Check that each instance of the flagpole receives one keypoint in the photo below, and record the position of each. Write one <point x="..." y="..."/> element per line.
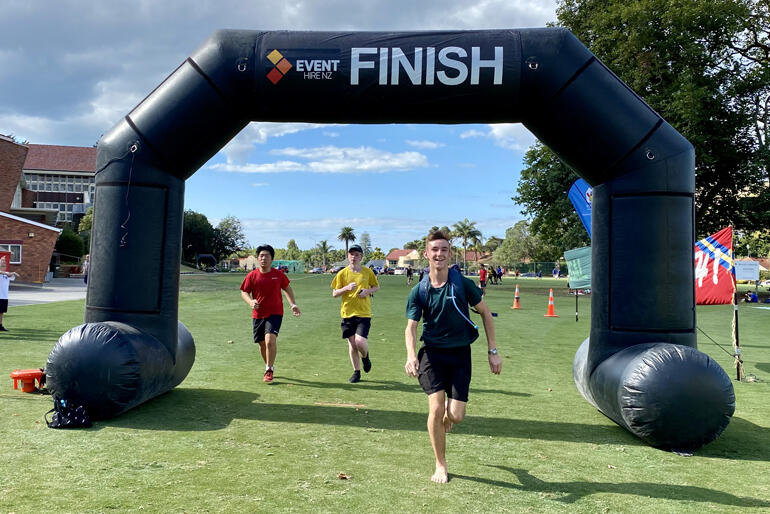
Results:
<point x="576" y="305"/>
<point x="736" y="340"/>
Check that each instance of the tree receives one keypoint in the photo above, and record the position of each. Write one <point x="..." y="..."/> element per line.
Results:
<point x="492" y="244"/>
<point x="542" y="191"/>
<point x="69" y="244"/>
<point x="84" y="228"/>
<point x="366" y="244"/>
<point x="754" y="244"/>
<point x="521" y="244"/>
<point x="293" y="253"/>
<point x="347" y="235"/>
<point x="86" y="221"/>
<point x="322" y="250"/>
<point x="705" y="67"/>
<point x="467" y="231"/>
<point x="197" y="235"/>
<point x="228" y="238"/>
<point x="377" y="254"/>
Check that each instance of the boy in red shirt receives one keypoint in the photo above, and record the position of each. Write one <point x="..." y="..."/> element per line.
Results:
<point x="483" y="280"/>
<point x="261" y="290"/>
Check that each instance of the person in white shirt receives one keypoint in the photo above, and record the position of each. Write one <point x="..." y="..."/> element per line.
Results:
<point x="5" y="281"/>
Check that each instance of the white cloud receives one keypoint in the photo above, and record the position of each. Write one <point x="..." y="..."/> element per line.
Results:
<point x="426" y="145"/>
<point x="117" y="52"/>
<point x="329" y="133"/>
<point x="472" y="133"/>
<point x="386" y="232"/>
<point x="511" y="136"/>
<point x="260" y="184"/>
<point x="332" y="159"/>
<point x="238" y="149"/>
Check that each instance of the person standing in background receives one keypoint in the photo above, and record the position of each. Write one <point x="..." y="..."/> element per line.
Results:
<point x="6" y="277"/>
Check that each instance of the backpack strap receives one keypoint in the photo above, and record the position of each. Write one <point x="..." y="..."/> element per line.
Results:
<point x="455" y="281"/>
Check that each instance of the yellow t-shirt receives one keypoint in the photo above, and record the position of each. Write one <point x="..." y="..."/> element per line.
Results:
<point x="352" y="305"/>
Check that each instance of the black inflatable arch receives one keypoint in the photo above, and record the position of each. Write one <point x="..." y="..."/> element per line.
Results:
<point x="639" y="366"/>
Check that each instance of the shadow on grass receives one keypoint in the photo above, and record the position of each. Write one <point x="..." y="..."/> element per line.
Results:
<point x="762" y="366"/>
<point x="381" y="385"/>
<point x="214" y="409"/>
<point x="741" y="440"/>
<point x="30" y="334"/>
<point x="573" y="491"/>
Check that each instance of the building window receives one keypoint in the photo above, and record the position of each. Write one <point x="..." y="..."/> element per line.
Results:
<point x="15" y="252"/>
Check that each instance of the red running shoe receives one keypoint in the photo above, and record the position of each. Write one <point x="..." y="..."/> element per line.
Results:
<point x="268" y="376"/>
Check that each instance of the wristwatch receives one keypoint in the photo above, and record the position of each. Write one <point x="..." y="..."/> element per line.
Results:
<point x="492" y="351"/>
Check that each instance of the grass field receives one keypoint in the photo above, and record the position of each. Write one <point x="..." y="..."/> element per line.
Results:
<point x="224" y="441"/>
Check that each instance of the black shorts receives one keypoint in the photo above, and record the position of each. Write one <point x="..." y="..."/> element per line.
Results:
<point x="445" y="369"/>
<point x="482" y="283"/>
<point x="4" y="305"/>
<point x="355" y="325"/>
<point x="268" y="325"/>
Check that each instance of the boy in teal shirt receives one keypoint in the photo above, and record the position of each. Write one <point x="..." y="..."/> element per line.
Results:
<point x="443" y="364"/>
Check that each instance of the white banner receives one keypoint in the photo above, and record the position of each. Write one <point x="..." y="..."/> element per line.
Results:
<point x="746" y="270"/>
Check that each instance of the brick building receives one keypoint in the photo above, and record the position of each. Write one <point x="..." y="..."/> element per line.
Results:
<point x="26" y="231"/>
<point x="61" y="179"/>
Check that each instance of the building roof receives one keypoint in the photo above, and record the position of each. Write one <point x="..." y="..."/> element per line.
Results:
<point x="472" y="255"/>
<point x="60" y="158"/>
<point x="395" y="254"/>
<point x="29" y="222"/>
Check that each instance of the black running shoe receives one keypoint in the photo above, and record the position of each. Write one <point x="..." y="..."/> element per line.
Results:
<point x="356" y="377"/>
<point x="3" y="329"/>
<point x="367" y="363"/>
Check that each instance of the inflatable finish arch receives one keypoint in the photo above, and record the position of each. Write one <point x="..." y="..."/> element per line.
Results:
<point x="639" y="366"/>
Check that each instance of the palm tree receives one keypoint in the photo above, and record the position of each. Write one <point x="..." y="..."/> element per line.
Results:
<point x="347" y="235"/>
<point x="478" y="247"/>
<point x="323" y="250"/>
<point x="466" y="230"/>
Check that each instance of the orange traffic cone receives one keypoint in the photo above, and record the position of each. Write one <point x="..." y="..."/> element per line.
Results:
<point x="516" y="304"/>
<point x="550" y="313"/>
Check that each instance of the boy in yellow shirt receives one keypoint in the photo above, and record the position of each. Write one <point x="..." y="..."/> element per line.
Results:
<point x="356" y="284"/>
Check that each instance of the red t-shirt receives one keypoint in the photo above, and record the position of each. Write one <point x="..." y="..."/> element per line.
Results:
<point x="265" y="288"/>
<point x="482" y="274"/>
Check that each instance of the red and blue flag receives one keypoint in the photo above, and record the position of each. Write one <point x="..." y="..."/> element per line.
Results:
<point x="714" y="270"/>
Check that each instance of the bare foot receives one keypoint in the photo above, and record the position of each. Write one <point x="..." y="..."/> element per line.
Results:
<point x="447" y="424"/>
<point x="440" y="476"/>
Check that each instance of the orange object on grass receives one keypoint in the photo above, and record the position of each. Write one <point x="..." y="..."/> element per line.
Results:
<point x="550" y="313"/>
<point x="27" y="378"/>
<point x="516" y="304"/>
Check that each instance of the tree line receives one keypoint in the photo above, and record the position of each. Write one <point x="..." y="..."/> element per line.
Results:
<point x="705" y="67"/>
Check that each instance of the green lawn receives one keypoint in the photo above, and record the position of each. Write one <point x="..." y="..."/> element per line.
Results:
<point x="224" y="441"/>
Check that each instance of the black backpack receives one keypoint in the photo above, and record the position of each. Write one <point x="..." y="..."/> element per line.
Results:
<point x="66" y="415"/>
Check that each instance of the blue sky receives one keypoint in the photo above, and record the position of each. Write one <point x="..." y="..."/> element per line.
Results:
<point x="70" y="70"/>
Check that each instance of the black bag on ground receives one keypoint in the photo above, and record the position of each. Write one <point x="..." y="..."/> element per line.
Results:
<point x="66" y="415"/>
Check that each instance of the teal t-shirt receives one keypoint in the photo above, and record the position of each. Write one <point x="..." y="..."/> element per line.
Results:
<point x="443" y="325"/>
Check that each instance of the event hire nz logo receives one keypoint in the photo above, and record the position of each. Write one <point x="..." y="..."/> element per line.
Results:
<point x="309" y="69"/>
